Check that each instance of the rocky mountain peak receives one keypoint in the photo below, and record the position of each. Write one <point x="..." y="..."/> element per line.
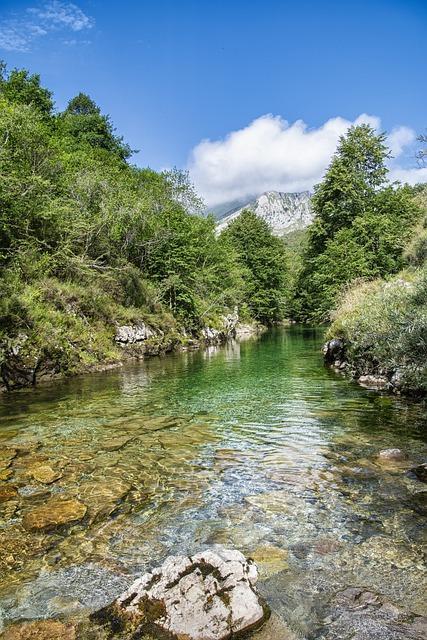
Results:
<point x="284" y="212"/>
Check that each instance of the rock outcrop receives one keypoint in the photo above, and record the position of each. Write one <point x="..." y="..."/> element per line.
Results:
<point x="209" y="596"/>
<point x="131" y="334"/>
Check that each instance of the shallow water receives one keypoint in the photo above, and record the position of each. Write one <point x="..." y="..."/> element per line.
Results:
<point x="254" y="445"/>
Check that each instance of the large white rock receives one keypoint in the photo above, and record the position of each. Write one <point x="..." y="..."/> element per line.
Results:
<point x="130" y="334"/>
<point x="209" y="596"/>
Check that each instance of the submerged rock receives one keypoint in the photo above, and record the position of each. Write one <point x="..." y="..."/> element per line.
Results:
<point x="209" y="596"/>
<point x="374" y="382"/>
<point x="8" y="492"/>
<point x="40" y="630"/>
<point x="391" y="455"/>
<point x="358" y="613"/>
<point x="45" y="474"/>
<point x="270" y="559"/>
<point x="53" y="513"/>
<point x="420" y="472"/>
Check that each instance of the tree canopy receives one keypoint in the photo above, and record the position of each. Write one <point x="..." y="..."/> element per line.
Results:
<point x="361" y="224"/>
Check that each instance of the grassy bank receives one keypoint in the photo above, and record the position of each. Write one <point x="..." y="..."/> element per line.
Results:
<point x="383" y="326"/>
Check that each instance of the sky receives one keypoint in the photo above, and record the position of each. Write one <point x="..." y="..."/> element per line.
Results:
<point x="248" y="96"/>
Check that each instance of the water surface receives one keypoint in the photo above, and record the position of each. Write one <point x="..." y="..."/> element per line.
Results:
<point x="254" y="445"/>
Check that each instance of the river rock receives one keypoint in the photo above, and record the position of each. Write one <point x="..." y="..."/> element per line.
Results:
<point x="114" y="444"/>
<point x="40" y="630"/>
<point x="363" y="615"/>
<point x="391" y="455"/>
<point x="373" y="382"/>
<point x="420" y="472"/>
<point x="54" y="512"/>
<point x="8" y="492"/>
<point x="209" y="596"/>
<point x="333" y="351"/>
<point x="45" y="474"/>
<point x="270" y="559"/>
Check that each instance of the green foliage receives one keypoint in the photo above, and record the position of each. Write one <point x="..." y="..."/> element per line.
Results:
<point x="83" y="121"/>
<point x="88" y="241"/>
<point x="361" y="226"/>
<point x="384" y="328"/>
<point x="263" y="258"/>
<point x="415" y="252"/>
<point x="20" y="87"/>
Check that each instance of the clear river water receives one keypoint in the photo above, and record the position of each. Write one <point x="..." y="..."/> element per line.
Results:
<point x="254" y="445"/>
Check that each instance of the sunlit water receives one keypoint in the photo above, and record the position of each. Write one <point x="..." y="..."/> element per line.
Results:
<point x="254" y="445"/>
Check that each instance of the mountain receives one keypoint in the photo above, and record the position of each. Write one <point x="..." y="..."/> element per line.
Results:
<point x="284" y="212"/>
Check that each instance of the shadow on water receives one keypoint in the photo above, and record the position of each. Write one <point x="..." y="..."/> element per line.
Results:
<point x="254" y="445"/>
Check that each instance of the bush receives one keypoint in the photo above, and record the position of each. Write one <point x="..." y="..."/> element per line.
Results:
<point x="384" y="329"/>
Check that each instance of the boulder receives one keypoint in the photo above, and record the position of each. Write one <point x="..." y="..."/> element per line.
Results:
<point x="333" y="351"/>
<point x="209" y="596"/>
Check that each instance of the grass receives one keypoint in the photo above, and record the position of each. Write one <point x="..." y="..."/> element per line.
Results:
<point x="384" y="328"/>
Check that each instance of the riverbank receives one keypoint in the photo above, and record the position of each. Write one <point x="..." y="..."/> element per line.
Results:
<point x="378" y="334"/>
<point x="70" y="330"/>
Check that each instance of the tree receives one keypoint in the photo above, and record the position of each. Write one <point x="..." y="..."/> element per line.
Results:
<point x="355" y="173"/>
<point x="20" y="87"/>
<point x="83" y="121"/>
<point x="263" y="258"/>
<point x="360" y="227"/>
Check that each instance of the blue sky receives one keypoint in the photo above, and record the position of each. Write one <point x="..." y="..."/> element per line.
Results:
<point x="174" y="73"/>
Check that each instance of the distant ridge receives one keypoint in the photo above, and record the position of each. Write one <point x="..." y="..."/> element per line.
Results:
<point x="284" y="212"/>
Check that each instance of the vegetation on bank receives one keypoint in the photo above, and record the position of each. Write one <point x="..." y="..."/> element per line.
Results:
<point x="383" y="323"/>
<point x="89" y="242"/>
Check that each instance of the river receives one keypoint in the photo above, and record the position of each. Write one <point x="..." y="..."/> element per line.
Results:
<point x="254" y="445"/>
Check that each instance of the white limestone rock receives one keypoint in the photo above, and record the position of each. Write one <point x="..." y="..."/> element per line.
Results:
<point x="209" y="596"/>
<point x="130" y="334"/>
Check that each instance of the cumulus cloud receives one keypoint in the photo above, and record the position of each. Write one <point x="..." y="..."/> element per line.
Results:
<point x="399" y="138"/>
<point x="18" y="33"/>
<point x="273" y="154"/>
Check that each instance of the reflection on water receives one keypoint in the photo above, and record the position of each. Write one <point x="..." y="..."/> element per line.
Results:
<point x="255" y="445"/>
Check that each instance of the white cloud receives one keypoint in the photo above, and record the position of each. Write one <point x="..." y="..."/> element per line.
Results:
<point x="18" y="33"/>
<point x="411" y="176"/>
<point x="399" y="138"/>
<point x="63" y="14"/>
<point x="272" y="154"/>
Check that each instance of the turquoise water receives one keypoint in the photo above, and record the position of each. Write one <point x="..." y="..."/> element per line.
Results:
<point x="255" y="445"/>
